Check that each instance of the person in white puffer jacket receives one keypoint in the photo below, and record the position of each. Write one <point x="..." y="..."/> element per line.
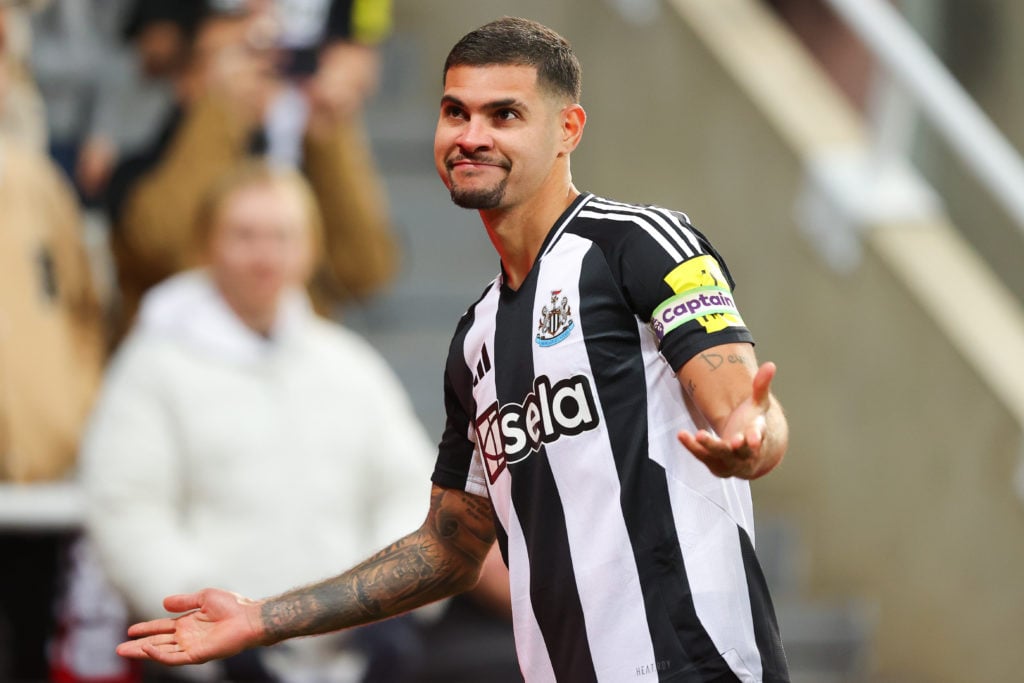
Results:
<point x="242" y="439"/>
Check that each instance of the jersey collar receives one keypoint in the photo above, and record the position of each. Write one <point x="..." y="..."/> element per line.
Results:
<point x="562" y="222"/>
<point x="553" y="234"/>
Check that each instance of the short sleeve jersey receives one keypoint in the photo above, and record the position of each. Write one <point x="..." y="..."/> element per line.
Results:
<point x="628" y="559"/>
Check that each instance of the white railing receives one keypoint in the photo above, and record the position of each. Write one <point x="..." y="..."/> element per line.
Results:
<point x="942" y="101"/>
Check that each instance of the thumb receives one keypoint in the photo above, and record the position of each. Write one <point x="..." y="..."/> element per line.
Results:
<point x="762" y="385"/>
<point x="183" y="602"/>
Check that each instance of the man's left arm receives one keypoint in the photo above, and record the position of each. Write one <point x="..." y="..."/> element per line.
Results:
<point x="747" y="433"/>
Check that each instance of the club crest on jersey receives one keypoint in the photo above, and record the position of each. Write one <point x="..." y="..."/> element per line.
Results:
<point x="555" y="321"/>
<point x="512" y="432"/>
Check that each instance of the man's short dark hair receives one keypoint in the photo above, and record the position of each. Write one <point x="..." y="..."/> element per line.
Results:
<point x="513" y="41"/>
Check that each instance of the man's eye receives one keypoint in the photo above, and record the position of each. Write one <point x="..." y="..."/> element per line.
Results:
<point x="506" y="115"/>
<point x="454" y="113"/>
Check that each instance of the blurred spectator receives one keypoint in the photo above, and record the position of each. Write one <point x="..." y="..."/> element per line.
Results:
<point x="22" y="115"/>
<point x="51" y="343"/>
<point x="237" y="97"/>
<point x="77" y="54"/>
<point x="51" y="335"/>
<point x="106" y="69"/>
<point x="253" y="441"/>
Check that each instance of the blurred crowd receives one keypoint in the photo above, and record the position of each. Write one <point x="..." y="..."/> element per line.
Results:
<point x="188" y="205"/>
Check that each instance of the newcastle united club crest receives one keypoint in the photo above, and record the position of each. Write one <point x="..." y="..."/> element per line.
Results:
<point x="555" y="320"/>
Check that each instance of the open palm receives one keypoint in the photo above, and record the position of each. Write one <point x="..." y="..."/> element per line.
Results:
<point x="218" y="624"/>
<point x="737" y="452"/>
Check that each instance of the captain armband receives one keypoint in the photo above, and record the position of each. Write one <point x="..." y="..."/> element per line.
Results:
<point x="702" y="294"/>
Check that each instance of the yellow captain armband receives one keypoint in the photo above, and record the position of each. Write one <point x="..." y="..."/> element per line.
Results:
<point x="702" y="293"/>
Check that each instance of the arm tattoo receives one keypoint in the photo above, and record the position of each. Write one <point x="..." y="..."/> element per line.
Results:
<point x="737" y="358"/>
<point x="714" y="360"/>
<point x="440" y="559"/>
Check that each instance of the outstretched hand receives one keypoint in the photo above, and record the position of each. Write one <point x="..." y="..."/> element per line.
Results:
<point x="740" y="450"/>
<point x="217" y="624"/>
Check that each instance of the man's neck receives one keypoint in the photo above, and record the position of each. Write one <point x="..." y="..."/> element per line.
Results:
<point x="517" y="233"/>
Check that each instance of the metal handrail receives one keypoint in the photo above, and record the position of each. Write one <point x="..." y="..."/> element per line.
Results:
<point x="942" y="100"/>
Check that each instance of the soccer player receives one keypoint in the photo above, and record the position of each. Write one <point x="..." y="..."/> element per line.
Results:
<point x="605" y="411"/>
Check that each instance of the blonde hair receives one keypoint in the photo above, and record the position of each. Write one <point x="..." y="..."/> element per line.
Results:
<point x="251" y="172"/>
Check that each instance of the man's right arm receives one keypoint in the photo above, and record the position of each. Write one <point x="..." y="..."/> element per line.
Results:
<point x="442" y="558"/>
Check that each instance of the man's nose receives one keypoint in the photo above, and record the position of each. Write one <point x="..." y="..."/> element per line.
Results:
<point x="475" y="135"/>
<point x="269" y="248"/>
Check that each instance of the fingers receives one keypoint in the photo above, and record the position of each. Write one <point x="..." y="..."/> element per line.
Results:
<point x="724" y="458"/>
<point x="695" y="443"/>
<point x="166" y="653"/>
<point x="754" y="433"/>
<point x="705" y="444"/>
<point x="720" y="465"/>
<point x="149" y="628"/>
<point x="132" y="649"/>
<point x="163" y="648"/>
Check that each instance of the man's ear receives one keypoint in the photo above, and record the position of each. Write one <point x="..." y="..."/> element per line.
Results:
<point x="573" y="119"/>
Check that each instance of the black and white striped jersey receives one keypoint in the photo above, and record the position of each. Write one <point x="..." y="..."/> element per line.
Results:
<point x="629" y="560"/>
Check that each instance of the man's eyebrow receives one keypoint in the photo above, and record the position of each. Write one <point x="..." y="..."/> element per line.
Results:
<point x="489" y="106"/>
<point x="505" y="103"/>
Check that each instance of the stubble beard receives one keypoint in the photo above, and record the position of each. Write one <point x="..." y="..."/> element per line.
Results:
<point x="489" y="198"/>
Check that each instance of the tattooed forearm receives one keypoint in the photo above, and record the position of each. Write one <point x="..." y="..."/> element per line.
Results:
<point x="401" y="578"/>
<point x="440" y="559"/>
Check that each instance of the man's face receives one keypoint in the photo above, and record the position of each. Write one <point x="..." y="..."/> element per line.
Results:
<point x="259" y="247"/>
<point x="497" y="135"/>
